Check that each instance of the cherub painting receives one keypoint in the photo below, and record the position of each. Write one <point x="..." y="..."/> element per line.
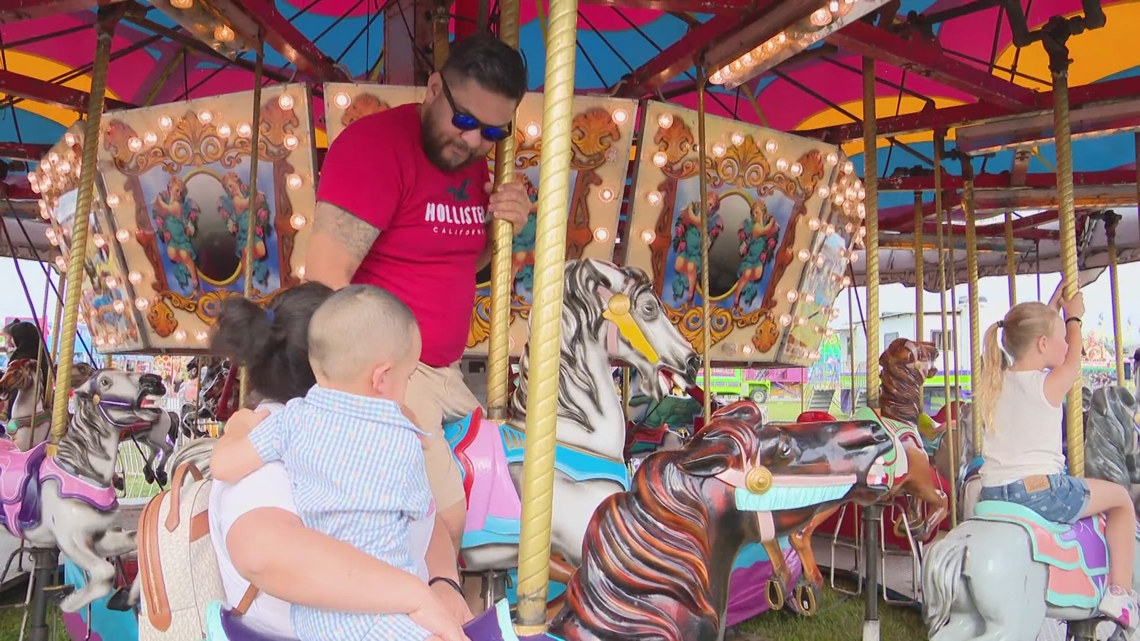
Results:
<point x="176" y="217"/>
<point x="522" y="250"/>
<point x="759" y="235"/>
<point x="687" y="245"/>
<point x="233" y="206"/>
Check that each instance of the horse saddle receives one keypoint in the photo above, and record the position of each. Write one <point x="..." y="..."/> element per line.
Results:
<point x="496" y="625"/>
<point x="20" y="486"/>
<point x="1076" y="554"/>
<point x="223" y="624"/>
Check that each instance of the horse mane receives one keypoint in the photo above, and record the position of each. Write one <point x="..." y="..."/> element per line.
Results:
<point x="82" y="441"/>
<point x="661" y="527"/>
<point x="1111" y="449"/>
<point x="581" y="322"/>
<point x="901" y="389"/>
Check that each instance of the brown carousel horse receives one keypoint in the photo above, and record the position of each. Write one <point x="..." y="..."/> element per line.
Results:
<point x="906" y="365"/>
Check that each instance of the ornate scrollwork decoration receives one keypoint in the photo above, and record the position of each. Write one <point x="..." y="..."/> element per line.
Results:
<point x="677" y="142"/>
<point x="594" y="133"/>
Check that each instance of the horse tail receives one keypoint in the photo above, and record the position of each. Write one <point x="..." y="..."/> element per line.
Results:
<point x="941" y="576"/>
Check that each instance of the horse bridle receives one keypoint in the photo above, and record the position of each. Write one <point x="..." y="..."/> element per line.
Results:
<point x="618" y="306"/>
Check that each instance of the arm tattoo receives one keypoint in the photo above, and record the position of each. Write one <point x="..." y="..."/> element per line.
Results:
<point x="354" y="234"/>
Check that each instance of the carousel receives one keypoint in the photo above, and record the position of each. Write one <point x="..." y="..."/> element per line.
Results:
<point x="674" y="205"/>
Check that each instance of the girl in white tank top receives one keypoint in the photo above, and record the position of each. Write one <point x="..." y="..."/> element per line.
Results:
<point x="1019" y="404"/>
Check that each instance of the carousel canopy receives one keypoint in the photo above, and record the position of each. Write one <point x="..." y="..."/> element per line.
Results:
<point x="940" y="64"/>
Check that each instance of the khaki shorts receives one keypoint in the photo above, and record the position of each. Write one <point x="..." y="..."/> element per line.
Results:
<point x="437" y="395"/>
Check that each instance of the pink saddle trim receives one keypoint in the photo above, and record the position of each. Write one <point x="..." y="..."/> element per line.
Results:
<point x="74" y="487"/>
<point x="492" y="490"/>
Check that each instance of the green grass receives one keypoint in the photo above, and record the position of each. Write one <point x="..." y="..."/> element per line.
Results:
<point x="840" y="618"/>
<point x="12" y="612"/>
<point x="783" y="410"/>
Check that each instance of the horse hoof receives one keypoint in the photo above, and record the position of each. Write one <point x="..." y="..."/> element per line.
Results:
<point x="119" y="601"/>
<point x="775" y="593"/>
<point x="148" y="475"/>
<point x="119" y="483"/>
<point x="160" y="476"/>
<point x="805" y="598"/>
<point x="58" y="593"/>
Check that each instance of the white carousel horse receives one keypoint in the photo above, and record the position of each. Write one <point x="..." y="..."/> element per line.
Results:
<point x="67" y="500"/>
<point x="609" y="313"/>
<point x="999" y="574"/>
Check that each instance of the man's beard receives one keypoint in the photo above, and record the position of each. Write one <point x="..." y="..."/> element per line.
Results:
<point x="434" y="144"/>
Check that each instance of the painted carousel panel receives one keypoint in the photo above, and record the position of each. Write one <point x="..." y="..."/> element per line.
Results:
<point x="602" y="139"/>
<point x="107" y="299"/>
<point x="178" y="189"/>
<point x="772" y="213"/>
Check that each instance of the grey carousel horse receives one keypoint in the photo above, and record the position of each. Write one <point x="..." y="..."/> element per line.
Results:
<point x="986" y="581"/>
<point x="67" y="500"/>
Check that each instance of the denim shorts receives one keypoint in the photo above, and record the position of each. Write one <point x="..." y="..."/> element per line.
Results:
<point x="1062" y="501"/>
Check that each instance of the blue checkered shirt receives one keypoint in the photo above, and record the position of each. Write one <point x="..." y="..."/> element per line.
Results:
<point x="356" y="466"/>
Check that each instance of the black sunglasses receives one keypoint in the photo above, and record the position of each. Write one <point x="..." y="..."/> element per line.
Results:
<point x="464" y="121"/>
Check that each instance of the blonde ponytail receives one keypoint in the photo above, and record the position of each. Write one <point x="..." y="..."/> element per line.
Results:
<point x="989" y="381"/>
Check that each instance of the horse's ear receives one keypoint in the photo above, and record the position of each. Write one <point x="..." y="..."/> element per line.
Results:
<point x="744" y="411"/>
<point x="711" y="462"/>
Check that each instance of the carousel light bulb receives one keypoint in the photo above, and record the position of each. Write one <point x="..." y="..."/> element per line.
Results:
<point x="607" y="195"/>
<point x="142" y="303"/>
<point x="846" y="282"/>
<point x="854" y="258"/>
<point x="862" y="194"/>
<point x="182" y="4"/>
<point x="53" y="240"/>
<point x="99" y="241"/>
<point x="793" y="295"/>
<point x="648" y="236"/>
<point x="35" y="185"/>
<point x="135" y="277"/>
<point x="53" y="158"/>
<point x="620" y="116"/>
<point x="835" y="310"/>
<point x="301" y="271"/>
<point x="781" y="165"/>
<point x="832" y="159"/>
<point x="342" y="100"/>
<point x="601" y="234"/>
<point x="134" y="143"/>
<point x="111" y="282"/>
<point x="796" y="169"/>
<point x="180" y="335"/>
<point x="821" y="17"/>
<point x="785" y="320"/>
<point x="820" y="260"/>
<point x="118" y="306"/>
<point x="294" y="181"/>
<point x="112" y="200"/>
<point x="771" y="146"/>
<point x="813" y="224"/>
<point x="533" y="129"/>
<point x="165" y="122"/>
<point x="65" y="167"/>
<point x="60" y="262"/>
<point x="122" y="235"/>
<point x="654" y="197"/>
<point x="205" y="116"/>
<point x="202" y="336"/>
<point x="838" y="199"/>
<point x="224" y="130"/>
<point x="737" y="139"/>
<point x="823" y="192"/>
<point x="828" y="332"/>
<point x="665" y="120"/>
<point x="862" y="209"/>
<point x="297" y="221"/>
<point x="150" y="137"/>
<point x="829" y="230"/>
<point x="804" y="255"/>
<point x="849" y="228"/>
<point x="660" y="159"/>
<point x="719" y="150"/>
<point x="244" y="130"/>
<point x="801" y="321"/>
<point x="285" y="102"/>
<point x="69" y="139"/>
<point x="291" y="141"/>
<point x="848" y="167"/>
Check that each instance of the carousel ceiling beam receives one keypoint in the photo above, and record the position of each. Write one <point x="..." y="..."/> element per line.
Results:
<point x="927" y="59"/>
<point x="951" y="117"/>
<point x="694" y="6"/>
<point x="250" y="17"/>
<point x="678" y="57"/>
<point x="1000" y="201"/>
<point x="23" y="151"/>
<point x="1006" y="180"/>
<point x="36" y="90"/>
<point x="19" y="10"/>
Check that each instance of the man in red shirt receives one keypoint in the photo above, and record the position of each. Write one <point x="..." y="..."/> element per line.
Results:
<point x="405" y="203"/>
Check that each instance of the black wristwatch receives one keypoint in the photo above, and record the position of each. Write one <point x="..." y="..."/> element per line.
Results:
<point x="449" y="581"/>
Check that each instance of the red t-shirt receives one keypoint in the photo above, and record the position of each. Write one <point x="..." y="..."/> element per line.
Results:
<point x="431" y="223"/>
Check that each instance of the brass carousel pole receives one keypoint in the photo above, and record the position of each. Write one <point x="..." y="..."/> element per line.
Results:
<point x="919" y="266"/>
<point x="972" y="279"/>
<point x="502" y="237"/>
<point x="546" y="318"/>
<point x="1010" y="259"/>
<point x="952" y="428"/>
<point x="1059" y="66"/>
<point x="1111" y="220"/>
<point x="104" y="31"/>
<point x="254" y="203"/>
<point x="706" y="305"/>
<point x="872" y="514"/>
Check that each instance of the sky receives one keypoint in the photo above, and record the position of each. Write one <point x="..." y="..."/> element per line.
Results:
<point x="893" y="298"/>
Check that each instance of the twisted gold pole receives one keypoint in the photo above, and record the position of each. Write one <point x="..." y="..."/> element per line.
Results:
<point x="1010" y="259"/>
<point x="104" y="30"/>
<point x="251" y="224"/>
<point x="940" y="243"/>
<point x="706" y="305"/>
<point x="972" y="280"/>
<point x="871" y="184"/>
<point x="919" y="267"/>
<point x="546" y="318"/>
<point x="1110" y="222"/>
<point x="502" y="238"/>
<point x="1068" y="219"/>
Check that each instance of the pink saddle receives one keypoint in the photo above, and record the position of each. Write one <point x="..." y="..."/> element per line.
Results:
<point x="21" y="480"/>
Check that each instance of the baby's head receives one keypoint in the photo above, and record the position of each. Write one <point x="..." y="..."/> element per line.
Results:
<point x="364" y="341"/>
